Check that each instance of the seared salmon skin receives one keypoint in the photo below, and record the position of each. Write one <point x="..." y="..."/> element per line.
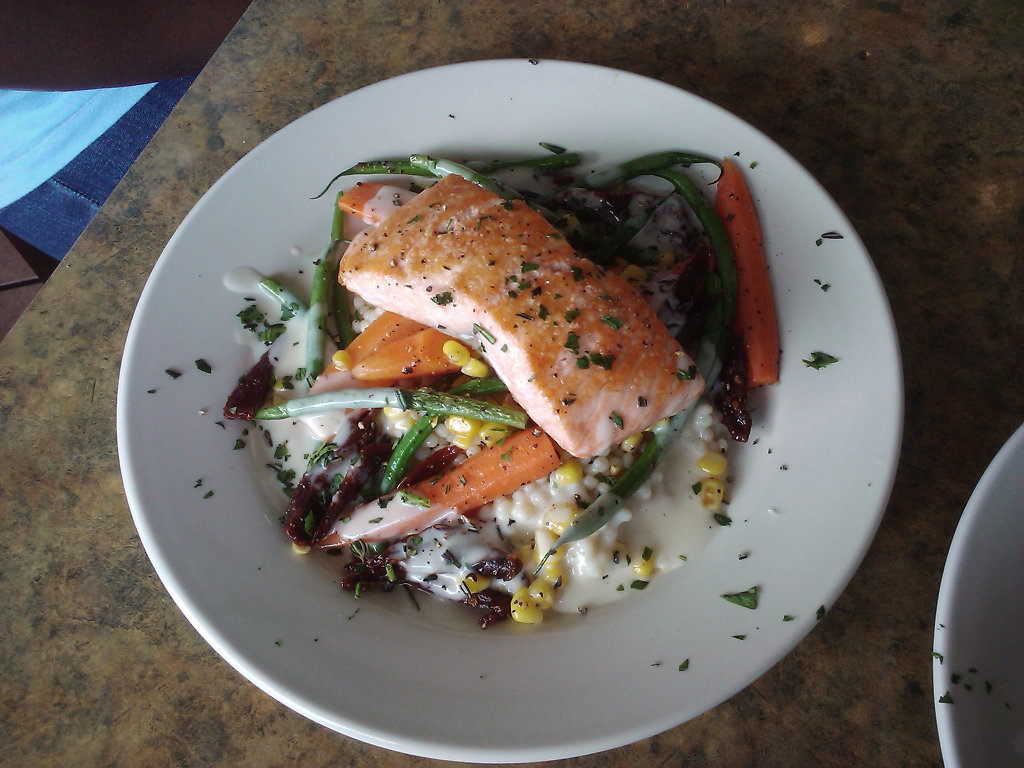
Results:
<point x="578" y="348"/>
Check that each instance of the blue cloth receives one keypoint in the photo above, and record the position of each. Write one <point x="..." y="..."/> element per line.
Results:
<point x="83" y="156"/>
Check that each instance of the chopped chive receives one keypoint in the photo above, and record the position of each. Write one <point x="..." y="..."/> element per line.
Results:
<point x="484" y="332"/>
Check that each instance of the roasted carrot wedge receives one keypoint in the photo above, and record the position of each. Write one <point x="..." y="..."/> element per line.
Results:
<point x="420" y="354"/>
<point x="495" y="471"/>
<point x="756" y="322"/>
<point x="372" y="202"/>
<point x="387" y="328"/>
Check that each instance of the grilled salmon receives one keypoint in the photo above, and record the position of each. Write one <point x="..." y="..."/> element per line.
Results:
<point x="579" y="349"/>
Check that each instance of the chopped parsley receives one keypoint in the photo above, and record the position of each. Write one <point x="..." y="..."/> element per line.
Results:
<point x="819" y="360"/>
<point x="572" y="341"/>
<point x="745" y="599"/>
<point x="616" y="419"/>
<point x="203" y="366"/>
<point x="445" y="297"/>
<point x="413" y="498"/>
<point x="614" y="322"/>
<point x="601" y="360"/>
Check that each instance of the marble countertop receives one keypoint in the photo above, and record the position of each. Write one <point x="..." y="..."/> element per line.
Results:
<point x="910" y="115"/>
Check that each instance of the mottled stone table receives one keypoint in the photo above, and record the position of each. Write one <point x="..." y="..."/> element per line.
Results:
<point x="910" y="113"/>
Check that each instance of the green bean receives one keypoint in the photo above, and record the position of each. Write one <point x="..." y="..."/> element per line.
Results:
<point x="486" y="386"/>
<point x="341" y="309"/>
<point x="403" y="451"/>
<point x="375" y="167"/>
<point x="291" y="304"/>
<point x="429" y="401"/>
<point x="725" y="265"/>
<point x="316" y="318"/>
<point x="439" y="166"/>
<point x="338" y="221"/>
<point x="625" y="232"/>
<point x="542" y="164"/>
<point x="613" y="175"/>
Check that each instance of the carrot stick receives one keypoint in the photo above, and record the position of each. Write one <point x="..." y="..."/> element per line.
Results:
<point x="756" y="321"/>
<point x="407" y="357"/>
<point x="495" y="471"/>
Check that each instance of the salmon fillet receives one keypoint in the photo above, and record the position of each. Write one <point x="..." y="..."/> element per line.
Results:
<point x="579" y="349"/>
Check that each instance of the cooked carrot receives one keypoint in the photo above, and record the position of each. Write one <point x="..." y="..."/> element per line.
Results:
<point x="409" y="356"/>
<point x="495" y="471"/>
<point x="386" y="328"/>
<point x="756" y="321"/>
<point x="355" y="198"/>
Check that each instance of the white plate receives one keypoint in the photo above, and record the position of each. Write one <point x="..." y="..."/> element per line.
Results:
<point x="807" y="499"/>
<point x="978" y="671"/>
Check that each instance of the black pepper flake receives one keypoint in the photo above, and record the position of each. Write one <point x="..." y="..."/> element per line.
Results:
<point x="641" y="402"/>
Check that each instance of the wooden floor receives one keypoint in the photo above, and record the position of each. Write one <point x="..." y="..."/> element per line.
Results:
<point x="18" y="285"/>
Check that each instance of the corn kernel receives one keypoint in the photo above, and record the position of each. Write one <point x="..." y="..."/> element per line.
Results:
<point x="463" y="441"/>
<point x="558" y="518"/>
<point x="524" y="609"/>
<point x="542" y="593"/>
<point x="393" y="413"/>
<point x="300" y="549"/>
<point x="456" y="352"/>
<point x="630" y="443"/>
<point x="491" y="433"/>
<point x="342" y="360"/>
<point x="527" y="556"/>
<point x="569" y="472"/>
<point x="712" y="463"/>
<point x="475" y="582"/>
<point x="553" y="570"/>
<point x="634" y="274"/>
<point x="711" y="493"/>
<point x="666" y="258"/>
<point x="462" y="425"/>
<point x="643" y="566"/>
<point x="475" y="369"/>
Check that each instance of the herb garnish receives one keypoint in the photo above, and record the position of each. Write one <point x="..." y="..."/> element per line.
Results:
<point x="614" y="322"/>
<point x="203" y="366"/>
<point x="745" y="599"/>
<point x="819" y="360"/>
<point x="616" y="419"/>
<point x="413" y="498"/>
<point x="572" y="341"/>
<point x="445" y="297"/>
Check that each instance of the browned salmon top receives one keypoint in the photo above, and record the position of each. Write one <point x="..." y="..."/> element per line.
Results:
<point x="579" y="349"/>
